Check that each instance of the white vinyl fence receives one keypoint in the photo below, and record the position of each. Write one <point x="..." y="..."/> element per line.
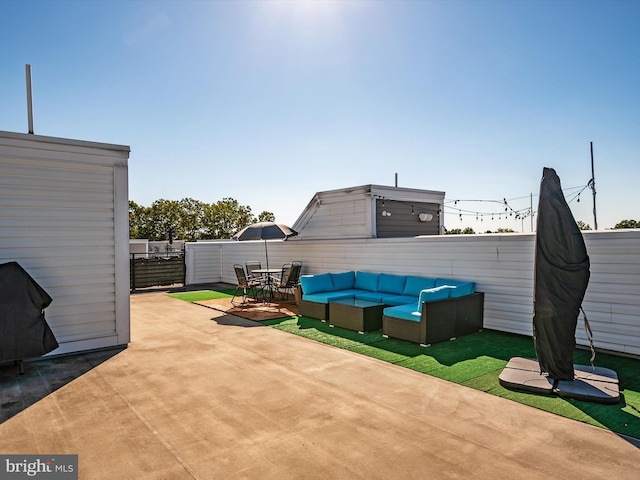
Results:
<point x="502" y="265"/>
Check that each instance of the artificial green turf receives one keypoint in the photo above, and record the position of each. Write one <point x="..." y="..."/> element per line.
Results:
<point x="201" y="295"/>
<point x="475" y="361"/>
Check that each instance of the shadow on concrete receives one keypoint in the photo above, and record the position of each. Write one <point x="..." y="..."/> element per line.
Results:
<point x="43" y="376"/>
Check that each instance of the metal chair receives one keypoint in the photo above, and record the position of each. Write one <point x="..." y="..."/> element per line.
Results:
<point x="251" y="266"/>
<point x="288" y="280"/>
<point x="245" y="284"/>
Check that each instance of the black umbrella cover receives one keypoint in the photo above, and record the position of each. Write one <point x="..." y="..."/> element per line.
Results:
<point x="561" y="279"/>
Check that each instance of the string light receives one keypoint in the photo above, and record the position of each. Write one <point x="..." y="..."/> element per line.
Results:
<point x="508" y="210"/>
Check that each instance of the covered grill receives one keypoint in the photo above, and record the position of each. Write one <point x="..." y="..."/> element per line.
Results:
<point x="24" y="332"/>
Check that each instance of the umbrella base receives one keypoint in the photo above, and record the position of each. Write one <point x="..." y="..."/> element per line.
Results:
<point x="591" y="384"/>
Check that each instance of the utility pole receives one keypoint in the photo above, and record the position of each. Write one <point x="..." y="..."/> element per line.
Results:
<point x="592" y="185"/>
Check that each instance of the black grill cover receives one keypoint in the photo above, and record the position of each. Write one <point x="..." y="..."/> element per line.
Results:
<point x="561" y="278"/>
<point x="24" y="332"/>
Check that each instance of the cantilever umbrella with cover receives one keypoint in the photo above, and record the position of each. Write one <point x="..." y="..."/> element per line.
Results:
<point x="560" y="283"/>
<point x="265" y="231"/>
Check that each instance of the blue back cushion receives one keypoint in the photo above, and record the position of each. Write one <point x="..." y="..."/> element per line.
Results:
<point x="367" y="281"/>
<point x="415" y="285"/>
<point x="343" y="281"/>
<point x="316" y="283"/>
<point x="462" y="288"/>
<point x="391" y="283"/>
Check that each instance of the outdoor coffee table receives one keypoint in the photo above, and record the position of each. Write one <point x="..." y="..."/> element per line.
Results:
<point x="358" y="315"/>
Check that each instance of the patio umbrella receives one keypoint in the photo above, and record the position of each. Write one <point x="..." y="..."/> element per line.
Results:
<point x="265" y="231"/>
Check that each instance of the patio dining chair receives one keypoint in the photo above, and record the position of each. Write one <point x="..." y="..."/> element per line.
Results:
<point x="288" y="279"/>
<point x="251" y="266"/>
<point x="245" y="285"/>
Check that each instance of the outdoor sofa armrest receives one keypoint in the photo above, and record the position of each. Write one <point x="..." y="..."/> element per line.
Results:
<point x="440" y="320"/>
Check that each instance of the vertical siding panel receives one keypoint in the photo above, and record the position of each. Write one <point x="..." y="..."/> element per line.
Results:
<point x="64" y="218"/>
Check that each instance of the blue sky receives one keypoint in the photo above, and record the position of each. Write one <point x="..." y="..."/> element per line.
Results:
<point x="270" y="102"/>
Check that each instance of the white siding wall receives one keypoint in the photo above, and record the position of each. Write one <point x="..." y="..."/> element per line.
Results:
<point x="501" y="265"/>
<point x="340" y="216"/>
<point x="64" y="218"/>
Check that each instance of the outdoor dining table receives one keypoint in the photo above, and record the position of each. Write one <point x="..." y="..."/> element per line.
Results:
<point x="268" y="272"/>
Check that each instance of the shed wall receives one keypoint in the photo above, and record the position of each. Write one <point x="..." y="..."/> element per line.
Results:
<point x="340" y="216"/>
<point x="64" y="218"/>
<point x="501" y="265"/>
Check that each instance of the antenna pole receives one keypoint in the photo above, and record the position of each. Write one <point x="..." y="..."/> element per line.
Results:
<point x="531" y="209"/>
<point x="29" y="98"/>
<point x="592" y="184"/>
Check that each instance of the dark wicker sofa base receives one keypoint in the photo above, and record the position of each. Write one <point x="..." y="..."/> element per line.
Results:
<point x="313" y="310"/>
<point x="441" y="320"/>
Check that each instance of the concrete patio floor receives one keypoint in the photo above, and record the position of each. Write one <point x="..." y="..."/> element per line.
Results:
<point x="201" y="394"/>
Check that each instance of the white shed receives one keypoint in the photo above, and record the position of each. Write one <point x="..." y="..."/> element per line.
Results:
<point x="371" y="211"/>
<point x="64" y="217"/>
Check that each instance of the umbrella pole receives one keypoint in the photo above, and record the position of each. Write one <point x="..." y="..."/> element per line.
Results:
<point x="266" y="254"/>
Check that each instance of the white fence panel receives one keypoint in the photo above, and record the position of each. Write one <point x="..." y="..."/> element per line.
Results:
<point x="502" y="265"/>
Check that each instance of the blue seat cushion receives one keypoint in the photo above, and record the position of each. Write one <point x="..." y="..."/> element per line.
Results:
<point x="369" y="296"/>
<point x="415" y="285"/>
<point x="316" y="283"/>
<point x="399" y="300"/>
<point x="367" y="281"/>
<point x="404" y="312"/>
<point x="391" y="283"/>
<point x="343" y="281"/>
<point x="326" y="297"/>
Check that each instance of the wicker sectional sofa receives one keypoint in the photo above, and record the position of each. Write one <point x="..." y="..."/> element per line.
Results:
<point x="418" y="309"/>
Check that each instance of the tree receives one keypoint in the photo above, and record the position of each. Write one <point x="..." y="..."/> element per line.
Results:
<point x="628" y="224"/>
<point x="192" y="213"/>
<point x="505" y="230"/>
<point x="582" y="225"/>
<point x="226" y="217"/>
<point x="266" y="217"/>
<point x="137" y="220"/>
<point x="190" y="219"/>
<point x="162" y="215"/>
<point x="457" y="231"/>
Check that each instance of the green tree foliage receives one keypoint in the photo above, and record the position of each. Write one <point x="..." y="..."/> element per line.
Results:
<point x="190" y="219"/>
<point x="266" y="217"/>
<point x="457" y="231"/>
<point x="582" y="225"/>
<point x="628" y="224"/>
<point x="137" y="220"/>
